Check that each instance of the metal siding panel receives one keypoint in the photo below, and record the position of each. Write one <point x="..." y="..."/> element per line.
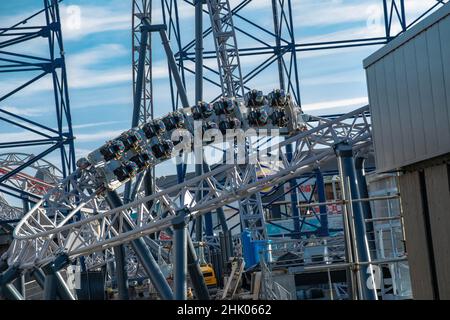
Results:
<point x="412" y="82"/>
<point x="393" y="107"/>
<point x="376" y="116"/>
<point x="388" y="156"/>
<point x="444" y="31"/>
<point x="426" y="94"/>
<point x="438" y="195"/>
<point x="408" y="130"/>
<point x="438" y="88"/>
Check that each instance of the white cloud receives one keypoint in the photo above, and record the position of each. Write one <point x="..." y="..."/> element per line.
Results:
<point x="81" y="21"/>
<point x="18" y="136"/>
<point x="334" y="78"/>
<point x="311" y="13"/>
<point x="96" y="124"/>
<point x="80" y="152"/>
<point x="97" y="136"/>
<point x="317" y="13"/>
<point x="25" y="111"/>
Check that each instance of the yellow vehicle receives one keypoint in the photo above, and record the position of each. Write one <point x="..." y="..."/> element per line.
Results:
<point x="209" y="275"/>
<point x="207" y="270"/>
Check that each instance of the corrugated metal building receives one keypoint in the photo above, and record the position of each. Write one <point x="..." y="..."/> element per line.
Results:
<point x="409" y="93"/>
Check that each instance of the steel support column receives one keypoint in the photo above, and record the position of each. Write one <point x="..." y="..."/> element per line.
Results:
<point x="195" y="273"/>
<point x="364" y="193"/>
<point x="367" y="288"/>
<point x="19" y="284"/>
<point x="119" y="254"/>
<point x="146" y="258"/>
<point x="320" y="185"/>
<point x="54" y="284"/>
<point x="198" y="50"/>
<point x="38" y="275"/>
<point x="180" y="261"/>
<point x="121" y="272"/>
<point x="172" y="64"/>
<point x="294" y="197"/>
<point x="176" y="76"/>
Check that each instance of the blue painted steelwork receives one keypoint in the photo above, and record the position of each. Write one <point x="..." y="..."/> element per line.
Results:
<point x="145" y="257"/>
<point x="344" y="153"/>
<point x="171" y="20"/>
<point x="50" y="139"/>
<point x="364" y="193"/>
<point x="119" y="255"/>
<point x="284" y="53"/>
<point x="54" y="284"/>
<point x="294" y="197"/>
<point x="320" y="184"/>
<point x="180" y="253"/>
<point x="285" y="49"/>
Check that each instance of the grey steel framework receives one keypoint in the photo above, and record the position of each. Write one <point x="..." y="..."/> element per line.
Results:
<point x="142" y="9"/>
<point x="226" y="48"/>
<point x="282" y="50"/>
<point x="48" y="231"/>
<point x="71" y="220"/>
<point x="231" y="82"/>
<point x="49" y="139"/>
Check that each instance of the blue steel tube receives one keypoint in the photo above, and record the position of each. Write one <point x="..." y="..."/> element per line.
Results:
<point x="180" y="263"/>
<point x="324" y="232"/>
<point x="195" y="273"/>
<point x="39" y="276"/>
<point x="294" y="197"/>
<point x="364" y="193"/>
<point x="174" y="69"/>
<point x="121" y="272"/>
<point x="119" y="255"/>
<point x="54" y="284"/>
<point x="199" y="219"/>
<point x="50" y="287"/>
<point x="9" y="275"/>
<point x="139" y="78"/>
<point x="61" y="292"/>
<point x="145" y="257"/>
<point x="345" y="155"/>
<point x="198" y="51"/>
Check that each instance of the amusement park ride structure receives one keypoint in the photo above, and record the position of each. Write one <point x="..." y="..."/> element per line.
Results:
<point x="84" y="220"/>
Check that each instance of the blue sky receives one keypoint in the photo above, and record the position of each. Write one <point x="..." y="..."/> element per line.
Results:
<point x="98" y="53"/>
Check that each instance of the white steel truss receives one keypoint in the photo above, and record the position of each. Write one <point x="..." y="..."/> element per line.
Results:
<point x="226" y="48"/>
<point x="74" y="223"/>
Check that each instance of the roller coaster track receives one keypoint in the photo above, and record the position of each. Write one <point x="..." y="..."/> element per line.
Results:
<point x="72" y="223"/>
